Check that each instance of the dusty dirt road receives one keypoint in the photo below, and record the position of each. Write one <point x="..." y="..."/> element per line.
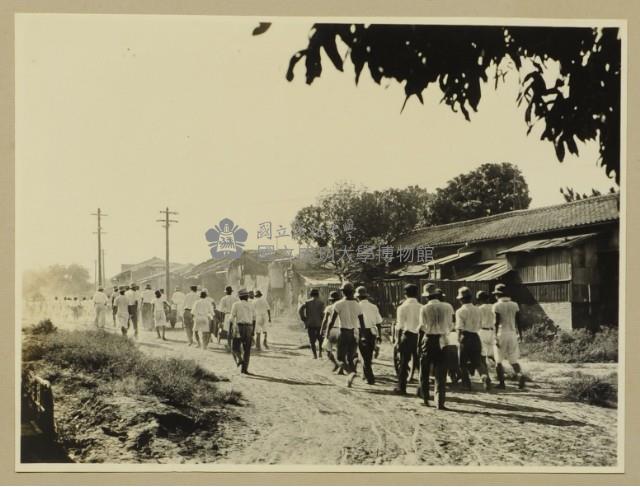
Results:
<point x="297" y="412"/>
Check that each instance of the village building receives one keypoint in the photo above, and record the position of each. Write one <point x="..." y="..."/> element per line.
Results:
<point x="151" y="271"/>
<point x="560" y="261"/>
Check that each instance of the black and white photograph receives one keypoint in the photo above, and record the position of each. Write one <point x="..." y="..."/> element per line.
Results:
<point x="306" y="244"/>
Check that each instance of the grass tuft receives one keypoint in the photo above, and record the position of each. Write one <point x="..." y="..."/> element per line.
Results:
<point x="598" y="391"/>
<point x="576" y="346"/>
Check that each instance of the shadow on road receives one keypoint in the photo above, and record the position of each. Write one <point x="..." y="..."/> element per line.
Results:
<point x="289" y="382"/>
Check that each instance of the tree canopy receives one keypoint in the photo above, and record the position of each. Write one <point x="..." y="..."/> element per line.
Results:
<point x="487" y="190"/>
<point x="582" y="104"/>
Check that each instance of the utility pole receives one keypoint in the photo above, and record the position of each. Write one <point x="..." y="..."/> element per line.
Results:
<point x="167" y="222"/>
<point x="99" y="214"/>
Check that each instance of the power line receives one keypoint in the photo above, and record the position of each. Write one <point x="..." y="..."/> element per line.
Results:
<point x="167" y="223"/>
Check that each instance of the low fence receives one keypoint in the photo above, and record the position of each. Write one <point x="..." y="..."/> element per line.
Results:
<point x="37" y="403"/>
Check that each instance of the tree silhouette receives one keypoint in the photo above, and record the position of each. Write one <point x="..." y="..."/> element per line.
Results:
<point x="583" y="104"/>
<point x="487" y="190"/>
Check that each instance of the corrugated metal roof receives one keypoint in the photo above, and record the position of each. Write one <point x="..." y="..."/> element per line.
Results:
<point x="450" y="258"/>
<point x="581" y="213"/>
<point x="412" y="270"/>
<point x="547" y="243"/>
<point x="490" y="273"/>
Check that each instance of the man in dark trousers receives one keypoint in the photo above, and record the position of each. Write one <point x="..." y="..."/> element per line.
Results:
<point x="367" y="339"/>
<point x="407" y="328"/>
<point x="351" y="318"/>
<point x="436" y="318"/>
<point x="243" y="320"/>
<point x="311" y="313"/>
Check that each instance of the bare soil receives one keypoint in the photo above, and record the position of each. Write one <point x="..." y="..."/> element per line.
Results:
<point x="295" y="411"/>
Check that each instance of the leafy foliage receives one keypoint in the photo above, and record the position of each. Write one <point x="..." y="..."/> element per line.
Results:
<point x="488" y="190"/>
<point x="346" y="217"/>
<point x="576" y="346"/>
<point x="581" y="104"/>
<point x="570" y="194"/>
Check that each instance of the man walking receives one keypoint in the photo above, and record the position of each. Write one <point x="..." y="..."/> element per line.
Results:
<point x="147" y="300"/>
<point x="226" y="302"/>
<point x="311" y="313"/>
<point x="367" y="340"/>
<point x="407" y="328"/>
<point x="243" y="320"/>
<point x="114" y="308"/>
<point x="100" y="301"/>
<point x="487" y="330"/>
<point x="133" y="296"/>
<point x="177" y="303"/>
<point x="351" y="318"/>
<point x="468" y="324"/>
<point x="263" y="316"/>
<point x="507" y="332"/>
<point x="331" y="339"/>
<point x="121" y="303"/>
<point x="436" y="320"/>
<point x="187" y="318"/>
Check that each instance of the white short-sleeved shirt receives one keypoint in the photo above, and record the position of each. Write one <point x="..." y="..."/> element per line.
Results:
<point x="487" y="316"/>
<point x="100" y="298"/>
<point x="148" y="296"/>
<point x="468" y="318"/>
<point x="202" y="308"/>
<point x="507" y="311"/>
<point x="328" y="312"/>
<point x="178" y="298"/>
<point x="408" y="315"/>
<point x="348" y="310"/>
<point x="226" y="302"/>
<point x="243" y="312"/>
<point x="436" y="318"/>
<point x="122" y="303"/>
<point x="261" y="305"/>
<point x="132" y="296"/>
<point x="371" y="314"/>
<point x="190" y="299"/>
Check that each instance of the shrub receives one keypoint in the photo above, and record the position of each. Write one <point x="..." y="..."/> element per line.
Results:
<point x="573" y="346"/>
<point x="177" y="381"/>
<point x="44" y="327"/>
<point x="599" y="391"/>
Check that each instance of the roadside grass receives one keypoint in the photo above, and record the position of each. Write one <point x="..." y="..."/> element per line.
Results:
<point x="598" y="391"/>
<point x="123" y="368"/>
<point x="544" y="343"/>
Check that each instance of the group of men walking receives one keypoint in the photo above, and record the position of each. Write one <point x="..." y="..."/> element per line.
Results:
<point x="434" y="337"/>
<point x="483" y="331"/>
<point x="345" y="326"/>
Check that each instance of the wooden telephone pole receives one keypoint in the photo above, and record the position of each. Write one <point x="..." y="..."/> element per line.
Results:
<point x="167" y="222"/>
<point x="99" y="214"/>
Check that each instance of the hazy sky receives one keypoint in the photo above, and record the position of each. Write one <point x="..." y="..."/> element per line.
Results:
<point x="134" y="113"/>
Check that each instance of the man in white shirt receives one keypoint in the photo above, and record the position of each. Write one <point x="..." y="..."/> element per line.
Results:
<point x="367" y="340"/>
<point x="133" y="296"/>
<point x="226" y="302"/>
<point x="487" y="330"/>
<point x="351" y="318"/>
<point x="187" y="318"/>
<point x="243" y="319"/>
<point x="507" y="332"/>
<point x="147" y="299"/>
<point x="331" y="339"/>
<point x="263" y="316"/>
<point x="468" y="324"/>
<point x="177" y="301"/>
<point x="436" y="323"/>
<point x="407" y="328"/>
<point x="100" y="301"/>
<point x="121" y="302"/>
